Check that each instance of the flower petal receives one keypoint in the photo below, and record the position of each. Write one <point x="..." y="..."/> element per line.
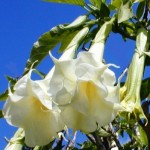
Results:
<point x="78" y="121"/>
<point x="33" y="111"/>
<point x="40" y="125"/>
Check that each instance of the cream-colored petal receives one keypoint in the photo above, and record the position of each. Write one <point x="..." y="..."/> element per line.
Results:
<point x="20" y="86"/>
<point x="89" y="58"/>
<point x="67" y="55"/>
<point x="77" y="121"/>
<point x="88" y="72"/>
<point x="42" y="130"/>
<point x="40" y="124"/>
<point x="64" y="67"/>
<point x="104" y="112"/>
<point x="90" y="100"/>
<point x="80" y="100"/>
<point x="113" y="94"/>
<point x="109" y="77"/>
<point x="101" y="109"/>
<point x="14" y="111"/>
<point x="39" y="90"/>
<point x="63" y="97"/>
<point x="85" y="88"/>
<point x="63" y="79"/>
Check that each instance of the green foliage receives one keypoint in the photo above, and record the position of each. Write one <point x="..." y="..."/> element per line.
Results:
<point x="145" y="88"/>
<point x="96" y="3"/>
<point x="127" y="146"/>
<point x="4" y="95"/>
<point x="47" y="42"/>
<point x="147" y="62"/>
<point x="115" y="4"/>
<point x="1" y="114"/>
<point x="143" y="137"/>
<point x="140" y="10"/>
<point x="104" y="11"/>
<point x="74" y="2"/>
<point x="103" y="133"/>
<point x="87" y="145"/>
<point x="12" y="82"/>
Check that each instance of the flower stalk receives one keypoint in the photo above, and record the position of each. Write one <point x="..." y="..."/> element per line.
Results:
<point x="130" y="92"/>
<point x="98" y="44"/>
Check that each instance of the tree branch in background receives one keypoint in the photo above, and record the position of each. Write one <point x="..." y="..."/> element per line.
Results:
<point x="99" y="143"/>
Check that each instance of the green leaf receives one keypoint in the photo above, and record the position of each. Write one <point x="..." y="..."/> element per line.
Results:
<point x="147" y="63"/>
<point x="73" y="2"/>
<point x="125" y="12"/>
<point x="11" y="80"/>
<point x="4" y="95"/>
<point x="143" y="136"/>
<point x="104" y="11"/>
<point x="1" y="114"/>
<point x="87" y="145"/>
<point x="128" y="145"/>
<point x="149" y="5"/>
<point x="140" y="9"/>
<point x="145" y="88"/>
<point x="129" y="28"/>
<point x="103" y="133"/>
<point x="116" y="3"/>
<point x="96" y="3"/>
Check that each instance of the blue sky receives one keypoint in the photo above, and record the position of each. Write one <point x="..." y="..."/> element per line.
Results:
<point x="22" y="22"/>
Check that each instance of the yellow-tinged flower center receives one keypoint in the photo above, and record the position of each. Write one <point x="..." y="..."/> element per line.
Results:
<point x="38" y="104"/>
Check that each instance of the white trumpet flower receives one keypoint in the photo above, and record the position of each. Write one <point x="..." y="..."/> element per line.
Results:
<point x="31" y="108"/>
<point x="84" y="89"/>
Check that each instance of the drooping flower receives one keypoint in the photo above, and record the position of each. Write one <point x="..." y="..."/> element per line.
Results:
<point x="84" y="89"/>
<point x="31" y="108"/>
<point x="130" y="92"/>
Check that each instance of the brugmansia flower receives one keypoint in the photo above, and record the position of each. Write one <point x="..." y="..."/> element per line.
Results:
<point x="84" y="89"/>
<point x="130" y="92"/>
<point x="30" y="108"/>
